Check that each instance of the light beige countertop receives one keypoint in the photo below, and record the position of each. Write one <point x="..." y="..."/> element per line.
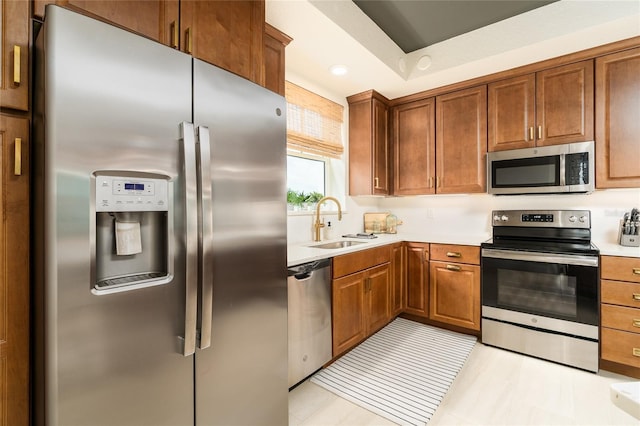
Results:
<point x="306" y="252"/>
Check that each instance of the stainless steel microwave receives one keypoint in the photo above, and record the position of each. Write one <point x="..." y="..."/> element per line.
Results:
<point x="542" y="170"/>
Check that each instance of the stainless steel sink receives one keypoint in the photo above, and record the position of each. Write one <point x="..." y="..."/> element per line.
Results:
<point x="337" y="244"/>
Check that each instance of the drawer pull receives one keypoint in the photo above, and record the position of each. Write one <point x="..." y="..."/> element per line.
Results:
<point x="453" y="254"/>
<point x="453" y="268"/>
<point x="636" y="322"/>
<point x="636" y="271"/>
<point x="636" y="352"/>
<point x="636" y="296"/>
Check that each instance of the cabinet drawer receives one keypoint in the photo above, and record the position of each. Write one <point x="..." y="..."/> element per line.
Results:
<point x="455" y="253"/>
<point x="620" y="293"/>
<point x="621" y="347"/>
<point x="620" y="268"/>
<point x="360" y="260"/>
<point x="621" y="317"/>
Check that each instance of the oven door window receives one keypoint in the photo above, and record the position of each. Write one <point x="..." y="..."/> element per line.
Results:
<point x="567" y="292"/>
<point x="526" y="172"/>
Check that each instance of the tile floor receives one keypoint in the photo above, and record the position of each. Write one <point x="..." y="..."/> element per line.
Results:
<point x="495" y="387"/>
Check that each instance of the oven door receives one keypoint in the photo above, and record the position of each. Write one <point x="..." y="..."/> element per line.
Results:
<point x="558" y="289"/>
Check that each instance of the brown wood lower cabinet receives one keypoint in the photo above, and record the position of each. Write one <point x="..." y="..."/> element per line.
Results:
<point x="398" y="277"/>
<point x="14" y="271"/>
<point x="620" y="315"/>
<point x="454" y="294"/>
<point x="417" y="279"/>
<point x="360" y="300"/>
<point x="454" y="285"/>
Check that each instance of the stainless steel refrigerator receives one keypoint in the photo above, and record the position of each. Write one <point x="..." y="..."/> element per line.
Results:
<point x="160" y="224"/>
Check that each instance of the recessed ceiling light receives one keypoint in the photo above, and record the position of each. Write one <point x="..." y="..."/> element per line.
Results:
<point x="338" y="70"/>
<point x="424" y="62"/>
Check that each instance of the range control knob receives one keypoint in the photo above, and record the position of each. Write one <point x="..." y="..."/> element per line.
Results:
<point x="582" y="219"/>
<point x="572" y="218"/>
<point x="504" y="218"/>
<point x="496" y="218"/>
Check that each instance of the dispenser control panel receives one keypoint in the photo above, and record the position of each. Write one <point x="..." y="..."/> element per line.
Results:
<point x="131" y="194"/>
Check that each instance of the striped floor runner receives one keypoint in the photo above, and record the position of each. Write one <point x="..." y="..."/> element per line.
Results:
<point x="401" y="373"/>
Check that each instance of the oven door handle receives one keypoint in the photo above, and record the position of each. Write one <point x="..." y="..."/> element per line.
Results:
<point x="528" y="256"/>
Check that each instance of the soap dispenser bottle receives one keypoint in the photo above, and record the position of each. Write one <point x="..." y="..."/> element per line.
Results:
<point x="392" y="222"/>
<point x="328" y="231"/>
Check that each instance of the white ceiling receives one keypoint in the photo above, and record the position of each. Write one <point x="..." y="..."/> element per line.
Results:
<point x="328" y="32"/>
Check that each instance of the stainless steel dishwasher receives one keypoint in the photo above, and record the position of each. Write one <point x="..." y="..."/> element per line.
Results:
<point x="309" y="287"/>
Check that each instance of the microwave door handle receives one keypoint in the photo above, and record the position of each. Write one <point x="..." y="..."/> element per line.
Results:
<point x="205" y="240"/>
<point x="563" y="170"/>
<point x="191" y="238"/>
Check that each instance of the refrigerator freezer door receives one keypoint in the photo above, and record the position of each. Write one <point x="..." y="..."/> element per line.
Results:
<point x="242" y="377"/>
<point x="107" y="100"/>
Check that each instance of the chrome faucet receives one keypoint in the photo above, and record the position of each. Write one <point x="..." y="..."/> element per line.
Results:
<point x="317" y="225"/>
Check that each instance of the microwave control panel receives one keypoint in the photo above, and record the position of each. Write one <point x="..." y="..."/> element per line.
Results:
<point x="131" y="194"/>
<point x="577" y="168"/>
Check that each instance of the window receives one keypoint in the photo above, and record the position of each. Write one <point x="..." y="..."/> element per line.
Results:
<point x="306" y="174"/>
<point x="314" y="143"/>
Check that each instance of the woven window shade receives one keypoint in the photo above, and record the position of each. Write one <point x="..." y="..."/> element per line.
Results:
<point x="314" y="123"/>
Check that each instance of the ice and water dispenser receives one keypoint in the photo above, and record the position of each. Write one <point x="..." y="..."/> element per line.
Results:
<point x="132" y="231"/>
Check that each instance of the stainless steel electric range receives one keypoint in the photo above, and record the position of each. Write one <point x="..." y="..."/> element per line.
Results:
<point x="540" y="291"/>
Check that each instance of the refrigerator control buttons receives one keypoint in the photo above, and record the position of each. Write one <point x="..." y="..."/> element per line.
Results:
<point x="121" y="193"/>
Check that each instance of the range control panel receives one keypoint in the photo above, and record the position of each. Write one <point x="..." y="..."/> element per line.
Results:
<point x="131" y="194"/>
<point x="543" y="218"/>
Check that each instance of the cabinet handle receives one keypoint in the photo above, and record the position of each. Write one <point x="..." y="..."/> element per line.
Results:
<point x="539" y="132"/>
<point x="636" y="322"/>
<point x="438" y="182"/>
<point x="531" y="136"/>
<point x="188" y="42"/>
<point x="17" y="170"/>
<point x="376" y="182"/>
<point x="636" y="271"/>
<point x="426" y="256"/>
<point x="430" y="181"/>
<point x="636" y="352"/>
<point x="454" y="268"/>
<point x="16" y="65"/>
<point x="636" y="296"/>
<point x="453" y="254"/>
<point x="174" y="35"/>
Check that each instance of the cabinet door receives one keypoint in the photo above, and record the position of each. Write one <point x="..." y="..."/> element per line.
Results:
<point x="368" y="144"/>
<point x="377" y="293"/>
<point x="455" y="294"/>
<point x="155" y="19"/>
<point x="564" y="104"/>
<point x="461" y="141"/>
<point x="14" y="272"/>
<point x="275" y="43"/>
<point x="228" y="34"/>
<point x="348" y="312"/>
<point x="398" y="274"/>
<point x="417" y="279"/>
<point x="511" y="120"/>
<point x="414" y="136"/>
<point x="14" y="54"/>
<point x="380" y="148"/>
<point x="617" y="123"/>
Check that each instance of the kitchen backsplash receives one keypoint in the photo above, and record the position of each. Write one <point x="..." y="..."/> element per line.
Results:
<point x="461" y="215"/>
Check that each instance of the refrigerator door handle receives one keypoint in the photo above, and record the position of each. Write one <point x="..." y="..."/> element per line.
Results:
<point x="205" y="240"/>
<point x="191" y="238"/>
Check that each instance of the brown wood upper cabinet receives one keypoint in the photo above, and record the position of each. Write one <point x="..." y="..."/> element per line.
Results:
<point x="414" y="147"/>
<point x="155" y="19"/>
<point x="617" y="120"/>
<point x="14" y="51"/>
<point x="275" y="42"/>
<point x="368" y="144"/>
<point x="550" y="107"/>
<point x="228" y="34"/>
<point x="461" y="141"/>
